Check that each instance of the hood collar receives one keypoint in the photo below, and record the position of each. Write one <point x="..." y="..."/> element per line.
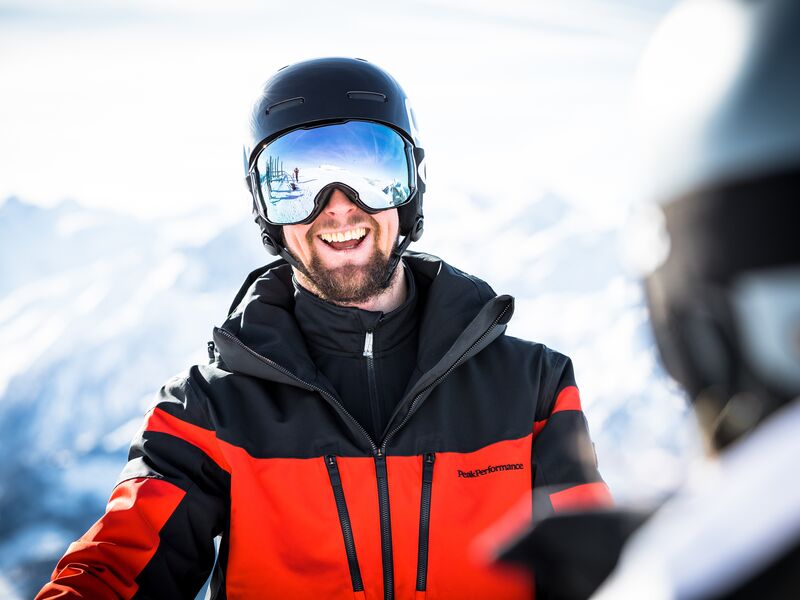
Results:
<point x="453" y="308"/>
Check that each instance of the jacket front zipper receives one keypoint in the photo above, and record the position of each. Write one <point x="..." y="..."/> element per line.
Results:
<point x="372" y="384"/>
<point x="344" y="521"/>
<point x="425" y="520"/>
<point x="386" y="526"/>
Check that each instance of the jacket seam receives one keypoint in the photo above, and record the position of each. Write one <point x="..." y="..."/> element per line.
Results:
<point x="551" y="386"/>
<point x="203" y="405"/>
<point x="157" y="477"/>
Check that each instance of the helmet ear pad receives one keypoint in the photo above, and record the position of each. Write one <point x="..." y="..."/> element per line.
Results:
<point x="271" y="235"/>
<point x="270" y="244"/>
<point x="411" y="219"/>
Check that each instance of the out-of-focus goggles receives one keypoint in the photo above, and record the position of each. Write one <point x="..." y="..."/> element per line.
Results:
<point x="293" y="174"/>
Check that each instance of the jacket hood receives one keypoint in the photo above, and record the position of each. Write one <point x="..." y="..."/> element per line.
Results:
<point x="454" y="308"/>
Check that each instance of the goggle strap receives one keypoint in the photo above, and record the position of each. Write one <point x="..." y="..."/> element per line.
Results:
<point x="419" y="167"/>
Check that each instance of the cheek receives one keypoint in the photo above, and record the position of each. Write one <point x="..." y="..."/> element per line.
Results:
<point x="294" y="236"/>
<point x="389" y="228"/>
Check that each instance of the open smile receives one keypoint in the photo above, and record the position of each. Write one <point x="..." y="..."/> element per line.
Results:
<point x="349" y="239"/>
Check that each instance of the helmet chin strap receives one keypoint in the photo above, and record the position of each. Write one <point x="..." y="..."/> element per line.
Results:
<point x="285" y="255"/>
<point x="412" y="236"/>
<point x="394" y="258"/>
<point x="274" y="247"/>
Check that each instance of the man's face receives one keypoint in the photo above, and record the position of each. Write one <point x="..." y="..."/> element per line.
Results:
<point x="349" y="271"/>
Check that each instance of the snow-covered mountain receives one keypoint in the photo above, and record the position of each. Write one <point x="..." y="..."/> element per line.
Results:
<point x="97" y="310"/>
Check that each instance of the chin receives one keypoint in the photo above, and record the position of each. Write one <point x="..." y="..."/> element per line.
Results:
<point x="349" y="282"/>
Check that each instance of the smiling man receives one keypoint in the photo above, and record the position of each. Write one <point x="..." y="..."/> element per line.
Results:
<point x="363" y="419"/>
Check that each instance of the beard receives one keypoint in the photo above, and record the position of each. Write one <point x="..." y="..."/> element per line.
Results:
<point x="349" y="283"/>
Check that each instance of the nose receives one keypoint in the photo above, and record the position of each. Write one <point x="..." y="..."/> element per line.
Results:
<point x="339" y="205"/>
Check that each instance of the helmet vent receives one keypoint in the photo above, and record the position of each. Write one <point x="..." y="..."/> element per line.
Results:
<point x="374" y="96"/>
<point x="285" y="104"/>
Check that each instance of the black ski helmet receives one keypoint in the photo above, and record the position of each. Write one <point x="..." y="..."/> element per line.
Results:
<point x="324" y="91"/>
<point x="723" y="129"/>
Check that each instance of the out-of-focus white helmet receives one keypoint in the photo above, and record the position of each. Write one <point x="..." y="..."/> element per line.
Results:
<point x="717" y="105"/>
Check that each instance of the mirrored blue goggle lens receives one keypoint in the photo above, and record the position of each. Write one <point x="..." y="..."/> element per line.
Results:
<point x="373" y="160"/>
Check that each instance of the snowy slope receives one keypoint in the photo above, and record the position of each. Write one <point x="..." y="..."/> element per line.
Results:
<point x="98" y="310"/>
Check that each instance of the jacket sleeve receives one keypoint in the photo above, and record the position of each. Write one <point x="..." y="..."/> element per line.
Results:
<point x="156" y="538"/>
<point x="564" y="461"/>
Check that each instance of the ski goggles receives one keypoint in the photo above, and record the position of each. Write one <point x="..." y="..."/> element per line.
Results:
<point x="293" y="174"/>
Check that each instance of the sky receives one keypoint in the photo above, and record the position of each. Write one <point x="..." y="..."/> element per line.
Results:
<point x="140" y="106"/>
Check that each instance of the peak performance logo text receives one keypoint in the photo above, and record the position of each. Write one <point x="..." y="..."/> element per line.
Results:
<point x="490" y="469"/>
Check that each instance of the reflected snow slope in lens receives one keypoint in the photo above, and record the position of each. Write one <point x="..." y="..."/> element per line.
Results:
<point x="372" y="159"/>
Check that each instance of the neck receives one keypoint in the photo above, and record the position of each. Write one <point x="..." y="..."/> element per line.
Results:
<point x="385" y="302"/>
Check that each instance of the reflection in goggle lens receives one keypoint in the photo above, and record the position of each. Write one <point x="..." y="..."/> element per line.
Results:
<point x="372" y="159"/>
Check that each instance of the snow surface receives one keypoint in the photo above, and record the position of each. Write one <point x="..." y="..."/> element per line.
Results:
<point x="98" y="310"/>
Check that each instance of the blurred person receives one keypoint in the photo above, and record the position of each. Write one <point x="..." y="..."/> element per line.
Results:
<point x="719" y="106"/>
<point x="363" y="415"/>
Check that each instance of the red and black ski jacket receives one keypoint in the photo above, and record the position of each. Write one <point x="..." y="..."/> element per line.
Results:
<point x="257" y="451"/>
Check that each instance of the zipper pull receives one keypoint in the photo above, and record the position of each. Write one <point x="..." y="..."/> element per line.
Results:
<point x="427" y="467"/>
<point x="211" y="356"/>
<point x="368" y="345"/>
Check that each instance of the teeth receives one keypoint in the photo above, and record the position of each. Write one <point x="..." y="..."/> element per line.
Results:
<point x="343" y="236"/>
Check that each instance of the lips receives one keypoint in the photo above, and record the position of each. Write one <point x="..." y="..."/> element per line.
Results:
<point x="348" y="245"/>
